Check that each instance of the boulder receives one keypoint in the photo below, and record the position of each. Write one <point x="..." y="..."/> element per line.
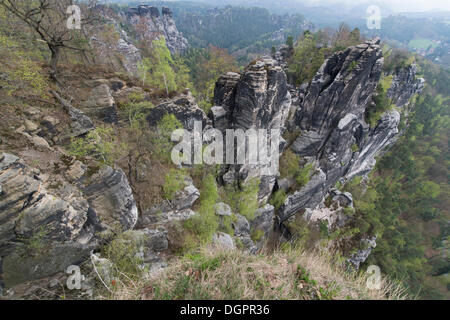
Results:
<point x="264" y="220"/>
<point x="184" y="108"/>
<point x="100" y="104"/>
<point x="366" y="247"/>
<point x="241" y="226"/>
<point x="19" y="268"/>
<point x="111" y="198"/>
<point x="222" y="209"/>
<point x="223" y="241"/>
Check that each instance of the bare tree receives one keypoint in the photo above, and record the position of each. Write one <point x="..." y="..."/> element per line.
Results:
<point x="48" y="18"/>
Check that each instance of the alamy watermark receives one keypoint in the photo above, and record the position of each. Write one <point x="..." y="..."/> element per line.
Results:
<point x="74" y="20"/>
<point x="374" y="280"/>
<point x="74" y="280"/>
<point x="258" y="147"/>
<point x="374" y="18"/>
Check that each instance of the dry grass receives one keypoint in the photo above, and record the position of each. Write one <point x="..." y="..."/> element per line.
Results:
<point x="292" y="274"/>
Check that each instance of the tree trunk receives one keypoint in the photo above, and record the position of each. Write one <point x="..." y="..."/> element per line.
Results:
<point x="55" y="57"/>
<point x="56" y="51"/>
<point x="165" y="84"/>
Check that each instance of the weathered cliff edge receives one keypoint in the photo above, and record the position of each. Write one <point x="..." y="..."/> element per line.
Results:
<point x="152" y="24"/>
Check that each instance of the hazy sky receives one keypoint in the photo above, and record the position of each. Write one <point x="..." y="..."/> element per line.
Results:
<point x="400" y="5"/>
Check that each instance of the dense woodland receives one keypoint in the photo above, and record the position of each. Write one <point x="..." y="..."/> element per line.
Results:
<point x="409" y="194"/>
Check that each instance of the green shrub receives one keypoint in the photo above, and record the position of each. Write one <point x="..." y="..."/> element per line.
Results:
<point x="136" y="111"/>
<point x="349" y="211"/>
<point x="101" y="144"/>
<point x="243" y="199"/>
<point x="162" y="140"/>
<point x="278" y="199"/>
<point x="36" y="243"/>
<point x="20" y="70"/>
<point x="174" y="182"/>
<point x="248" y="202"/>
<point x="225" y="225"/>
<point x="122" y="251"/>
<point x="290" y="168"/>
<point x="382" y="102"/>
<point x="206" y="223"/>
<point x="304" y="175"/>
<point x="352" y="65"/>
<point x="289" y="164"/>
<point x="257" y="235"/>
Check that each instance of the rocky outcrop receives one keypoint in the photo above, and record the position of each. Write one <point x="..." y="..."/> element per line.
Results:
<point x="150" y="24"/>
<point x="335" y="137"/>
<point x="257" y="99"/>
<point x="26" y="206"/>
<point x="282" y="55"/>
<point x="81" y="123"/>
<point x="131" y="55"/>
<point x="112" y="43"/>
<point x="111" y="199"/>
<point x="32" y="218"/>
<point x="100" y="103"/>
<point x="329" y="115"/>
<point x="183" y="107"/>
<point x="177" y="209"/>
<point x="405" y="85"/>
<point x="263" y="222"/>
<point x="48" y="223"/>
<point x="253" y="234"/>
<point x="366" y="248"/>
<point x="374" y="143"/>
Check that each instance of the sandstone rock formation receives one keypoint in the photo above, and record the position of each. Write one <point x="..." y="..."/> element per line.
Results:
<point x="110" y="197"/>
<point x="330" y="116"/>
<point x="184" y="108"/>
<point x="335" y="137"/>
<point x="100" y="103"/>
<point x="46" y="228"/>
<point x="156" y="24"/>
<point x="257" y="99"/>
<point x="405" y="85"/>
<point x="330" y="113"/>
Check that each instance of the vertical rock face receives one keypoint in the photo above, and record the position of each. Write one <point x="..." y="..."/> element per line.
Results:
<point x="118" y="52"/>
<point x="131" y="54"/>
<point x="176" y="42"/>
<point x="151" y="24"/>
<point x="338" y="94"/>
<point x="405" y="85"/>
<point x="334" y="135"/>
<point x="257" y="99"/>
<point x="329" y="116"/>
<point x="372" y="142"/>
